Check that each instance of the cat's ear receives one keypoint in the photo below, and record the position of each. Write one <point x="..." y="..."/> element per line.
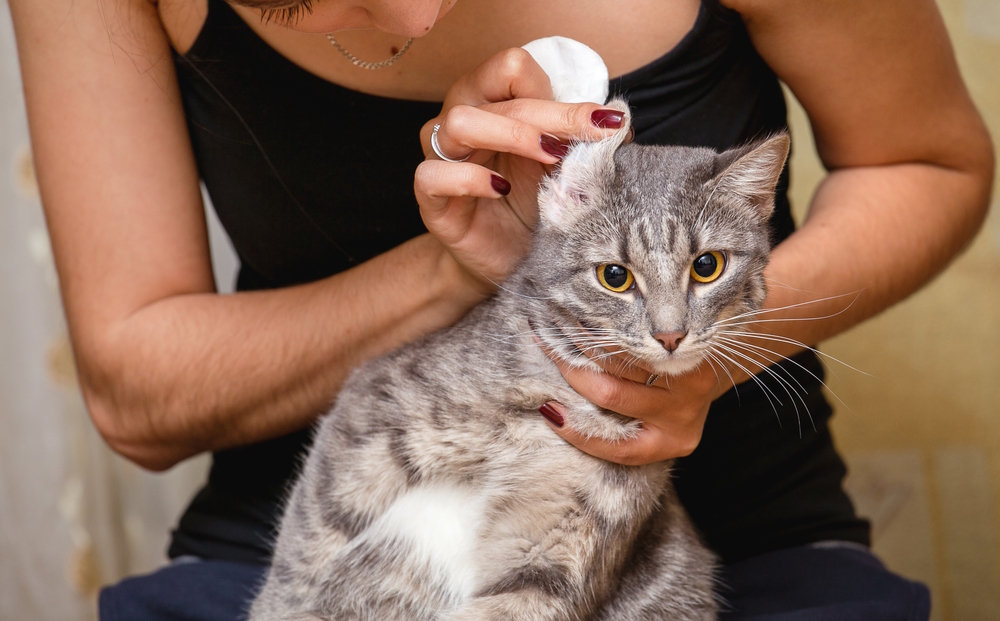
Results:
<point x="582" y="174"/>
<point x="751" y="173"/>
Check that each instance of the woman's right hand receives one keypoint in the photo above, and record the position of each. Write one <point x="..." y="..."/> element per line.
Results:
<point x="501" y="115"/>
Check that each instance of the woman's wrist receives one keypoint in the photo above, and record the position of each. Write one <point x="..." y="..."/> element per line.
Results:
<point x="455" y="286"/>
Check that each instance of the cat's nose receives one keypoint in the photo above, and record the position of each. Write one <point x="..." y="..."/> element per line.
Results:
<point x="670" y="340"/>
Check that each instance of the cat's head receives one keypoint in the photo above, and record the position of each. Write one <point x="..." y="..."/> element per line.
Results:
<point x="642" y="250"/>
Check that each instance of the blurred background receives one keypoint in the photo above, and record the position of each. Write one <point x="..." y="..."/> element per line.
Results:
<point x="920" y="431"/>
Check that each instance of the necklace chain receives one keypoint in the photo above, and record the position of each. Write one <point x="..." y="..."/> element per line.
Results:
<point x="365" y="64"/>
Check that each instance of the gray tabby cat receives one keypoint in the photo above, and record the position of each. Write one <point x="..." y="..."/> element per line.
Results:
<point x="436" y="491"/>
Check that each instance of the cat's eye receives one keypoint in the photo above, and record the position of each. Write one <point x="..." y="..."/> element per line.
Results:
<point x="708" y="266"/>
<point x="615" y="277"/>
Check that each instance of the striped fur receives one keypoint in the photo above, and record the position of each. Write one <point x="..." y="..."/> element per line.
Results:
<point x="435" y="491"/>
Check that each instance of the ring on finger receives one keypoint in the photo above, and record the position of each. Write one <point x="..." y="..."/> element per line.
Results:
<point x="437" y="148"/>
<point x="652" y="379"/>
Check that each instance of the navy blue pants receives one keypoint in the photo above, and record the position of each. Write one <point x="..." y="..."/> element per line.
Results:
<point x="809" y="583"/>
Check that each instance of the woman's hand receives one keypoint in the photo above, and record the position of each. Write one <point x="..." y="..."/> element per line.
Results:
<point x="501" y="116"/>
<point x="672" y="410"/>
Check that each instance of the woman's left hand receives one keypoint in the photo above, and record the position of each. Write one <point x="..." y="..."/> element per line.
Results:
<point x="672" y="409"/>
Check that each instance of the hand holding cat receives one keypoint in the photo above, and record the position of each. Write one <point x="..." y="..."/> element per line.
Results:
<point x="672" y="411"/>
<point x="501" y="116"/>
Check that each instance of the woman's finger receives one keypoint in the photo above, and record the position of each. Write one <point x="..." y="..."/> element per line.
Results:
<point x="612" y="392"/>
<point x="436" y="182"/>
<point x="510" y="74"/>
<point x="465" y="129"/>
<point x="653" y="443"/>
<point x="461" y="131"/>
<point x="567" y="121"/>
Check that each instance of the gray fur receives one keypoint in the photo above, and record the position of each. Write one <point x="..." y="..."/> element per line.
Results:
<point x="541" y="531"/>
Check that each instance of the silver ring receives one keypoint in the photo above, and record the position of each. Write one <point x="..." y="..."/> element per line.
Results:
<point x="652" y="379"/>
<point x="437" y="148"/>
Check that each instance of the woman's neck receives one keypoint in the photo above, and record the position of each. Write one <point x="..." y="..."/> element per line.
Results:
<point x="627" y="33"/>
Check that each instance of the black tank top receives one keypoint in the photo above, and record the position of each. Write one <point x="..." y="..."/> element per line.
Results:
<point x="310" y="178"/>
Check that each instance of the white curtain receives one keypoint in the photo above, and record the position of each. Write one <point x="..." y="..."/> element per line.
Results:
<point x="73" y="516"/>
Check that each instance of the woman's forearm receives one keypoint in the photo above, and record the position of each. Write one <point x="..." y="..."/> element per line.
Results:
<point x="198" y="372"/>
<point x="874" y="235"/>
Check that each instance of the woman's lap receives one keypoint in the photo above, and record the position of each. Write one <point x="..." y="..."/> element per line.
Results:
<point x="808" y="583"/>
<point x="820" y="582"/>
<point x="189" y="590"/>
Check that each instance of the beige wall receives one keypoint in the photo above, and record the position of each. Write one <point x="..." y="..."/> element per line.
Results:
<point x="922" y="434"/>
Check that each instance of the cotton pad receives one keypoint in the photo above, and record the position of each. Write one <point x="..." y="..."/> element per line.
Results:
<point x="577" y="73"/>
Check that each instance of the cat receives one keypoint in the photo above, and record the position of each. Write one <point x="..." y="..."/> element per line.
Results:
<point x="434" y="489"/>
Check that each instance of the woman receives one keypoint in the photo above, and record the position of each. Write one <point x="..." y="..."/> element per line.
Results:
<point x="309" y="160"/>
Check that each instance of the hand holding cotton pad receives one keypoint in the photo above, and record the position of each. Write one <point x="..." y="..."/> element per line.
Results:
<point x="577" y="73"/>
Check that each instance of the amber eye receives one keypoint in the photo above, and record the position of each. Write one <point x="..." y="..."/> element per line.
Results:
<point x="708" y="266"/>
<point x="615" y="277"/>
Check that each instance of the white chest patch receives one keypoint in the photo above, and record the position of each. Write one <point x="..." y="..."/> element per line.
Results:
<point x="442" y="523"/>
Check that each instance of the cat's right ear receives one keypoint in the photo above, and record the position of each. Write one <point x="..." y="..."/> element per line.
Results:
<point x="751" y="173"/>
<point x="582" y="174"/>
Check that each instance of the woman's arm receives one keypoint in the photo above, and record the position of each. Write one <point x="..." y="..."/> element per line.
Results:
<point x="910" y="160"/>
<point x="911" y="168"/>
<point x="168" y="368"/>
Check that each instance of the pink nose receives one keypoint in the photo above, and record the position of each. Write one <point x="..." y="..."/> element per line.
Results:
<point x="670" y="340"/>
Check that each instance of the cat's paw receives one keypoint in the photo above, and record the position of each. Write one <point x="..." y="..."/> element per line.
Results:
<point x="591" y="421"/>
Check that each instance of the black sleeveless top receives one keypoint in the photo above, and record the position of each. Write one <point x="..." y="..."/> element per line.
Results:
<point x="310" y="178"/>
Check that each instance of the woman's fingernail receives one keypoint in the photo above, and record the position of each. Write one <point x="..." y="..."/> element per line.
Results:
<point x="501" y="185"/>
<point x="631" y="135"/>
<point x="553" y="146"/>
<point x="552" y="415"/>
<point x="607" y="119"/>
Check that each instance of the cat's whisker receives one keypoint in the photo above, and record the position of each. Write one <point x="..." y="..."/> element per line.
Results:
<point x="764" y="388"/>
<point x="773" y="282"/>
<point x="576" y="333"/>
<point x="764" y="353"/>
<point x="788" y="319"/>
<point x="697" y="221"/>
<point x="796" y="363"/>
<point x="607" y="354"/>
<point x="753" y="376"/>
<point x="790" y="341"/>
<point x="765" y="311"/>
<point x="785" y="385"/>
<point x="512" y="292"/>
<point x="718" y="380"/>
<point x="632" y="363"/>
<point x="725" y="369"/>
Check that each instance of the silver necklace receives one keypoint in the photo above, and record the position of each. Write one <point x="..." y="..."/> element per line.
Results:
<point x="364" y="64"/>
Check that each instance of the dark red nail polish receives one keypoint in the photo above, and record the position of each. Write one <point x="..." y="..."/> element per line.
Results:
<point x="553" y="146"/>
<point x="607" y="119"/>
<point x="501" y="185"/>
<point x="550" y="413"/>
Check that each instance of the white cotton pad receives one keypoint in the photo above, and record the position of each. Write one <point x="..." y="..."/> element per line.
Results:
<point x="577" y="73"/>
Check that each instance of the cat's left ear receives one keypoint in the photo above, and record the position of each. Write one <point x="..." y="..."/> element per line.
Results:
<point x="751" y="173"/>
